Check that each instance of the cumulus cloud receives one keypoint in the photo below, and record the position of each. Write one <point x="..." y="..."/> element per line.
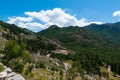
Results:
<point x="116" y="13"/>
<point x="44" y="18"/>
<point x="13" y="20"/>
<point x="34" y="26"/>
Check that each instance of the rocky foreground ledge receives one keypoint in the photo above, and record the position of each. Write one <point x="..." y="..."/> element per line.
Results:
<point x="8" y="74"/>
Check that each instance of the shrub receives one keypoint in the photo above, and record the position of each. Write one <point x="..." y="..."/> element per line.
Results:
<point x="17" y="65"/>
<point x="40" y="64"/>
<point x="1" y="68"/>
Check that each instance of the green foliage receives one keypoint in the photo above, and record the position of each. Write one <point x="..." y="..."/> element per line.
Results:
<point x="53" y="68"/>
<point x="88" y="62"/>
<point x="110" y="32"/>
<point x="34" y="45"/>
<point x="16" y="56"/>
<point x="13" y="28"/>
<point x="85" y="60"/>
<point x="33" y="41"/>
<point x="72" y="73"/>
<point x="74" y="38"/>
<point x="50" y="46"/>
<point x="26" y="56"/>
<point x="1" y="68"/>
<point x="29" y="69"/>
<point x="11" y="50"/>
<point x="17" y="65"/>
<point x="40" y="64"/>
<point x="61" y="75"/>
<point x="62" y="57"/>
<point x="14" y="50"/>
<point x="97" y="44"/>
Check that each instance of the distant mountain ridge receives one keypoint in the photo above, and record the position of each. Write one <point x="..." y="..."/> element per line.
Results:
<point x="102" y="40"/>
<point x="93" y="49"/>
<point x="105" y="34"/>
<point x="33" y="41"/>
<point x="110" y="32"/>
<point x="15" y="29"/>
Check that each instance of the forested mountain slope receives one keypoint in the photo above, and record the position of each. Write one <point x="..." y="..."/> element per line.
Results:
<point x="101" y="40"/>
<point x="69" y="53"/>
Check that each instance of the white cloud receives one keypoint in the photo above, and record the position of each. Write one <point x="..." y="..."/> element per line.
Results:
<point x="45" y="18"/>
<point x="13" y="20"/>
<point x="116" y="13"/>
<point x="34" y="26"/>
<point x="56" y="16"/>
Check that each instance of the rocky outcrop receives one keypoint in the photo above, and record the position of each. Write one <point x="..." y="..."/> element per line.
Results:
<point x="8" y="74"/>
<point x="67" y="65"/>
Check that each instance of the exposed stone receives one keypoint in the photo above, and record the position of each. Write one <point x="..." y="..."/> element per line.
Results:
<point x="7" y="74"/>
<point x="11" y="74"/>
<point x="8" y="70"/>
<point x="3" y="74"/>
<point x="67" y="66"/>
<point x="16" y="77"/>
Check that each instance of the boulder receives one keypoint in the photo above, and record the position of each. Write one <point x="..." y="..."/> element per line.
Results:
<point x="8" y="70"/>
<point x="3" y="74"/>
<point x="16" y="77"/>
<point x="11" y="74"/>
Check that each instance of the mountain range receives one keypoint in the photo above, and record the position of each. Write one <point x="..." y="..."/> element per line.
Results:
<point x="65" y="53"/>
<point x="102" y="36"/>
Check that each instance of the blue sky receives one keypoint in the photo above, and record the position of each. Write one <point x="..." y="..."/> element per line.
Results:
<point x="90" y="10"/>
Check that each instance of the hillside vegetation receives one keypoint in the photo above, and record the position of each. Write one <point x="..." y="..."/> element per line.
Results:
<point x="69" y="53"/>
<point x="93" y="40"/>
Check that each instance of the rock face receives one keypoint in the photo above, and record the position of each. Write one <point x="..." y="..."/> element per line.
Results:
<point x="8" y="74"/>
